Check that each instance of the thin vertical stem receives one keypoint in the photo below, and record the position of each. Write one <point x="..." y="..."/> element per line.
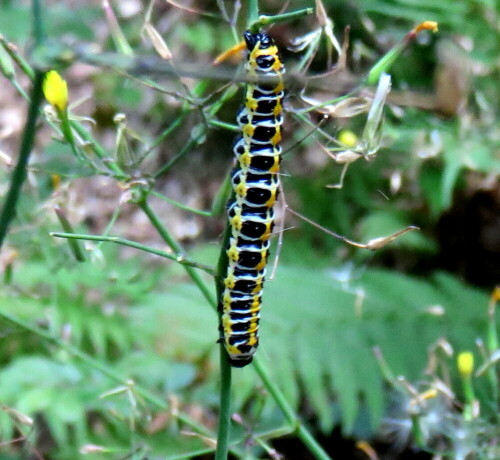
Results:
<point x="253" y="11"/>
<point x="225" y="368"/>
<point x="302" y="432"/>
<point x="38" y="26"/>
<point x="223" y="429"/>
<point x="19" y="175"/>
<point x="177" y="248"/>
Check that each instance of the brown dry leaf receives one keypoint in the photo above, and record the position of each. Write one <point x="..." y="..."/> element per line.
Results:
<point x="158" y="43"/>
<point x="378" y="243"/>
<point x="321" y="13"/>
<point x="205" y="439"/>
<point x="347" y="108"/>
<point x="186" y="8"/>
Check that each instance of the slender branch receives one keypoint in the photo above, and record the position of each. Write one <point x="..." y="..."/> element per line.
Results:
<point x="224" y="125"/>
<point x="38" y="25"/>
<point x="285" y="17"/>
<point x="187" y="148"/>
<point x="302" y="432"/>
<point x="17" y="58"/>
<point x="217" y="206"/>
<point x="226" y="95"/>
<point x="225" y="368"/>
<point x="176" y="123"/>
<point x="183" y="260"/>
<point x="198" y="212"/>
<point x="223" y="430"/>
<point x="98" y="150"/>
<point x="19" y="175"/>
<point x="74" y="245"/>
<point x="253" y="11"/>
<point x="177" y="248"/>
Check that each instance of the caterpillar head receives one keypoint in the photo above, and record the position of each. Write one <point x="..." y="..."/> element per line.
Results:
<point x="252" y="39"/>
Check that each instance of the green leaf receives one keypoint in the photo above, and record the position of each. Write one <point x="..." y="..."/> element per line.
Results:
<point x="450" y="176"/>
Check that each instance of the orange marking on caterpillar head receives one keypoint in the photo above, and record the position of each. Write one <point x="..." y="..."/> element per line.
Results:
<point x="230" y="54"/>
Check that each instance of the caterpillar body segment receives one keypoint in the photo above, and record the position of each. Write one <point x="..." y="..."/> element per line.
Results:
<point x="263" y="104"/>
<point x="255" y="183"/>
<point x="237" y="280"/>
<point x="245" y="117"/>
<point x="247" y="255"/>
<point x="257" y="158"/>
<point x="263" y="134"/>
<point x="251" y="227"/>
<point x="246" y="184"/>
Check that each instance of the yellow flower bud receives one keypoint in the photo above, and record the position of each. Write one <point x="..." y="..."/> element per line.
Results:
<point x="55" y="90"/>
<point x="348" y="138"/>
<point x="465" y="363"/>
<point x="426" y="25"/>
<point x="495" y="296"/>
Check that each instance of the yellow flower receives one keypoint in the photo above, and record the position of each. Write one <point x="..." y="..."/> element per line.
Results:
<point x="55" y="90"/>
<point x="348" y="138"/>
<point x="465" y="363"/>
<point x="426" y="25"/>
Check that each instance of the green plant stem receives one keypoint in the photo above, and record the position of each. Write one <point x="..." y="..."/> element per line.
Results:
<point x="492" y="342"/>
<point x="114" y="239"/>
<point x="469" y="398"/>
<point x="177" y="248"/>
<point x="198" y="212"/>
<point x="285" y="17"/>
<point x="38" y="26"/>
<point x="68" y="134"/>
<point x="17" y="58"/>
<point x="218" y="204"/>
<point x="187" y="148"/>
<point x="8" y="211"/>
<point x="20" y="90"/>
<point x="223" y="429"/>
<point x="175" y="124"/>
<point x="224" y="125"/>
<point x="75" y="247"/>
<point x="19" y="175"/>
<point x="302" y="432"/>
<point x="226" y="95"/>
<point x="225" y="368"/>
<point x="253" y="11"/>
<point x="119" y="39"/>
<point x="99" y="151"/>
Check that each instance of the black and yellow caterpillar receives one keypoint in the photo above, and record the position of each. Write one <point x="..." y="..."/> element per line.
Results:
<point x="255" y="182"/>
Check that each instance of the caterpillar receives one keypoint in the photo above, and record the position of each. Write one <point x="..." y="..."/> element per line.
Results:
<point x="255" y="184"/>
